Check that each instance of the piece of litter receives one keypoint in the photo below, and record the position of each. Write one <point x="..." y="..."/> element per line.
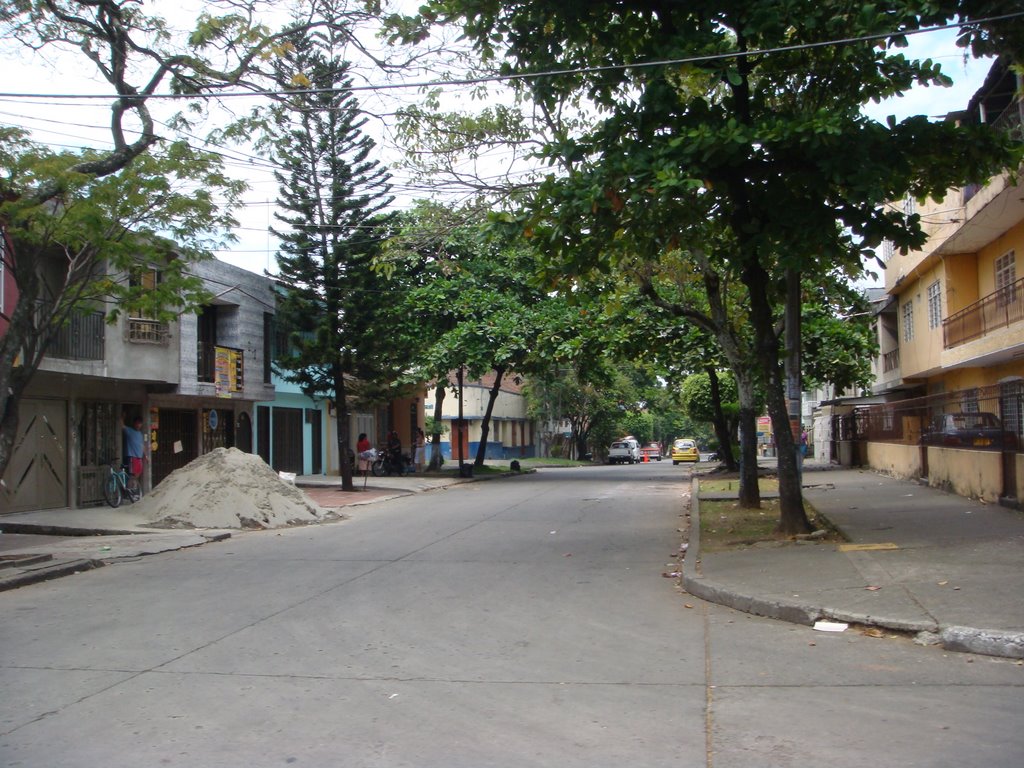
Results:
<point x="687" y="605"/>
<point x="943" y="583"/>
<point x="553" y="532"/>
<point x="872" y="589"/>
<point x="393" y="695"/>
<point x="831" y="626"/>
<point x="673" y="575"/>
<point x="567" y="554"/>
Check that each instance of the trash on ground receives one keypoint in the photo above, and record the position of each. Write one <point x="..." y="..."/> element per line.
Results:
<point x="831" y="626"/>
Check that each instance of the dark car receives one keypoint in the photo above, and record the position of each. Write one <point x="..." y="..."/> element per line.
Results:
<point x="969" y="430"/>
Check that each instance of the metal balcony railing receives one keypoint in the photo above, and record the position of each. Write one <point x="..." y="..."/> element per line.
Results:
<point x="142" y="331"/>
<point x="891" y="361"/>
<point x="81" y="339"/>
<point x="997" y="310"/>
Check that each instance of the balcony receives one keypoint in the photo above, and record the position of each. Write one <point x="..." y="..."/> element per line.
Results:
<point x="81" y="339"/>
<point x="142" y="331"/>
<point x="222" y="366"/>
<point x="891" y="361"/>
<point x="997" y="310"/>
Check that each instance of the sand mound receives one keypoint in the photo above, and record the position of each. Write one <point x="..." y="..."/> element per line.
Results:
<point x="227" y="488"/>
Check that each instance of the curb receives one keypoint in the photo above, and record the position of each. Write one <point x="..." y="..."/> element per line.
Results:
<point x="28" y="576"/>
<point x="987" y="642"/>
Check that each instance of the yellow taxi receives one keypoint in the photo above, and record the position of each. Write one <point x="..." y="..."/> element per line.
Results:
<point x="684" y="449"/>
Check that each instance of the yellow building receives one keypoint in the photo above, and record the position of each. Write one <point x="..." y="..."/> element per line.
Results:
<point x="952" y="333"/>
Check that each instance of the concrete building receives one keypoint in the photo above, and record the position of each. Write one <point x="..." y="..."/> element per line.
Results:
<point x="512" y="433"/>
<point x="951" y="333"/>
<point x="192" y="381"/>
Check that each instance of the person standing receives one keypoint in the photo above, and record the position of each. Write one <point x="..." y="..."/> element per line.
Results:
<point x="421" y="450"/>
<point x="133" y="447"/>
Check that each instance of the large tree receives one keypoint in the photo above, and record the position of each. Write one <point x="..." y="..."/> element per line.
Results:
<point x="333" y="196"/>
<point x="145" y="62"/>
<point x="750" y="110"/>
<point x="86" y="250"/>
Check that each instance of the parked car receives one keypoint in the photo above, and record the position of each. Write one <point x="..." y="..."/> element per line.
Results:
<point x="652" y="451"/>
<point x="624" y="451"/>
<point x="684" y="449"/>
<point x="969" y="430"/>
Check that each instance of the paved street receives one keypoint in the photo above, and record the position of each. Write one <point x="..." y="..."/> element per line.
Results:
<point x="518" y="622"/>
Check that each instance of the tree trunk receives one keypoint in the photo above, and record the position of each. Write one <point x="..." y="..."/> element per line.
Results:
<point x="792" y="518"/>
<point x="485" y="425"/>
<point x="341" y="409"/>
<point x="750" y="490"/>
<point x="435" y="439"/>
<point x="720" y="423"/>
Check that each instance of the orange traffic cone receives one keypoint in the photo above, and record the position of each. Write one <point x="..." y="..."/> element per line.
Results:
<point x="646" y="459"/>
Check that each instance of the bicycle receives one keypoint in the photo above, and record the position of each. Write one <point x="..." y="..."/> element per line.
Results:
<point x="119" y="485"/>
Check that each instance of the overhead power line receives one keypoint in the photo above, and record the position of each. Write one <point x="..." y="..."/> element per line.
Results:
<point x="521" y="76"/>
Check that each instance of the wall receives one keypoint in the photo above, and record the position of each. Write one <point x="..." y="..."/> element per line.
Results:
<point x="245" y="296"/>
<point x="1011" y="240"/>
<point x="902" y="461"/>
<point x="923" y="353"/>
<point x="975" y="474"/>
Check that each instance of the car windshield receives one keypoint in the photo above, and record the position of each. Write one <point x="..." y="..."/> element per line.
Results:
<point x="972" y="421"/>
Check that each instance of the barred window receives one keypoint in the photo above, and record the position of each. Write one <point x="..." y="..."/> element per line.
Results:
<point x="1006" y="276"/>
<point x="908" y="320"/>
<point x="888" y="250"/>
<point x="935" y="305"/>
<point x="909" y="204"/>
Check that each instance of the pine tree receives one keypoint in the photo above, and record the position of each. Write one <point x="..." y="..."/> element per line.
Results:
<point x="333" y="195"/>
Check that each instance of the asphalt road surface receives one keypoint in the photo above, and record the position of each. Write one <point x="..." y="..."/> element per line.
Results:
<point x="512" y="623"/>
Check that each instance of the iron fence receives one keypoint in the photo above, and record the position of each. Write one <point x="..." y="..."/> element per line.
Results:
<point x="983" y="418"/>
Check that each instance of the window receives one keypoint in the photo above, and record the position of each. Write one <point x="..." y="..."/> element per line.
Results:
<point x="268" y="347"/>
<point x="934" y="305"/>
<point x="908" y="320"/>
<point x="909" y="206"/>
<point x="143" y="327"/>
<point x="888" y="251"/>
<point x="1006" y="276"/>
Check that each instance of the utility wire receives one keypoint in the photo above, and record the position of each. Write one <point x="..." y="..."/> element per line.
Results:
<point x="521" y="76"/>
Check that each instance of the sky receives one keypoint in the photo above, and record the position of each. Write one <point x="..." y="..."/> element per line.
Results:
<point x="70" y="124"/>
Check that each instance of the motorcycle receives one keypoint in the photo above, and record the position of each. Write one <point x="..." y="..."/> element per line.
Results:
<point x="389" y="464"/>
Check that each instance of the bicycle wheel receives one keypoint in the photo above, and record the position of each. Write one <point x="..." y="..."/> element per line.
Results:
<point x="112" y="490"/>
<point x="377" y="468"/>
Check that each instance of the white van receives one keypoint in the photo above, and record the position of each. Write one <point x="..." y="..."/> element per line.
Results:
<point x="624" y="451"/>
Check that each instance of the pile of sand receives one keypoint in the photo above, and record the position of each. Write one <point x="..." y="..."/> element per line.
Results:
<point x="227" y="488"/>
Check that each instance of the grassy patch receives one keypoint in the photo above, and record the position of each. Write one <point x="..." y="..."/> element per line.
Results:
<point x="553" y="462"/>
<point x="724" y="526"/>
<point x="732" y="484"/>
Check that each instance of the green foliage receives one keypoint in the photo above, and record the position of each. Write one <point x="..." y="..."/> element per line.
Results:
<point x="333" y="193"/>
<point x="695" y="394"/>
<point x="838" y="340"/>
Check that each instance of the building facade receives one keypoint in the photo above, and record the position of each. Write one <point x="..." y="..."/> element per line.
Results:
<point x="193" y="382"/>
<point x="951" y="332"/>
<point x="512" y="433"/>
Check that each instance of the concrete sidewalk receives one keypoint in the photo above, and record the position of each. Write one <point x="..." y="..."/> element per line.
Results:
<point x="47" y="544"/>
<point x="918" y="560"/>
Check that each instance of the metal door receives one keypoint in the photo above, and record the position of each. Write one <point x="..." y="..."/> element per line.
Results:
<point x="37" y="475"/>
